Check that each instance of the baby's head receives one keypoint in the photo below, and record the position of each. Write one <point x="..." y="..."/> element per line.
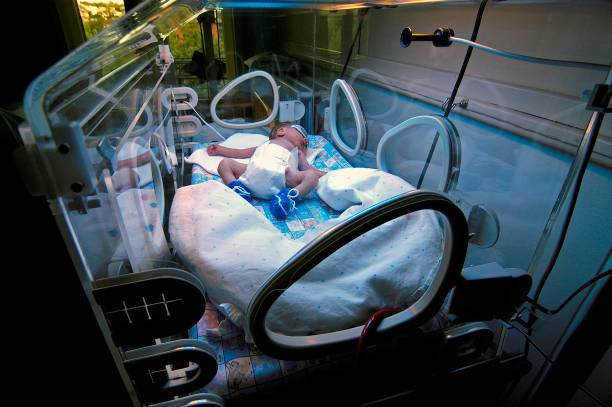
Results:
<point x="292" y="132"/>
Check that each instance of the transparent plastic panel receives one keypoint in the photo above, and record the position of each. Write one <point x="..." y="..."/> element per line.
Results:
<point x="247" y="102"/>
<point x="393" y="271"/>
<point x="519" y="123"/>
<point x="109" y="91"/>
<point x="345" y="122"/>
<point x="102" y="71"/>
<point x="406" y="156"/>
<point x="123" y="224"/>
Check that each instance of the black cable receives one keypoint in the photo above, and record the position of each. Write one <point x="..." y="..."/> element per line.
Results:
<point x="528" y="338"/>
<point x="535" y="304"/>
<point x="546" y="356"/>
<point x="568" y="299"/>
<point x="451" y="99"/>
<point x="468" y="54"/>
<point x="348" y="57"/>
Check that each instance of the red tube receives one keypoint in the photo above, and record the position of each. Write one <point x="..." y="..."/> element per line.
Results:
<point x="369" y="329"/>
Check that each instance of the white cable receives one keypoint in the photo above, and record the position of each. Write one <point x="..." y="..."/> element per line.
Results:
<point x="572" y="64"/>
<point x="137" y="117"/>
<point x="163" y="120"/>
<point x="204" y="121"/>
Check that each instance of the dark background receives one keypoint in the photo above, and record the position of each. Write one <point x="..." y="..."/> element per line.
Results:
<point x="56" y="352"/>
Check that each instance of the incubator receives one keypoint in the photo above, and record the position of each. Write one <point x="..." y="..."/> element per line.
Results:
<point x="466" y="165"/>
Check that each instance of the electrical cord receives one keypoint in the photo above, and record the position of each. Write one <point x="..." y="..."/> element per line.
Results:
<point x="528" y="338"/>
<point x="357" y="34"/>
<point x="450" y="101"/>
<point x="534" y="302"/>
<point x="548" y="359"/>
<point x="570" y="297"/>
<point x="552" y="312"/>
<point x="468" y="54"/>
<point x="564" y="229"/>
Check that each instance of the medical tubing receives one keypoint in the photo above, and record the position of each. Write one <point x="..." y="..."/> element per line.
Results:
<point x="545" y="61"/>
<point x="301" y="347"/>
<point x="451" y="99"/>
<point x="161" y="123"/>
<point x="204" y="121"/>
<point x="369" y="329"/>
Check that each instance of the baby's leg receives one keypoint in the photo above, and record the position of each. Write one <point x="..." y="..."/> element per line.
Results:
<point x="230" y="170"/>
<point x="283" y="203"/>
<point x="303" y="181"/>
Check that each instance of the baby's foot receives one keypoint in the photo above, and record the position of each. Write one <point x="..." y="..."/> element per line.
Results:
<point x="239" y="188"/>
<point x="283" y="203"/>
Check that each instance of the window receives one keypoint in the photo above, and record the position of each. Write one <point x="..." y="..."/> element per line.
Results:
<point x="98" y="14"/>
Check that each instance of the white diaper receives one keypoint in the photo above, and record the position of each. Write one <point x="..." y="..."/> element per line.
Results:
<point x="265" y="173"/>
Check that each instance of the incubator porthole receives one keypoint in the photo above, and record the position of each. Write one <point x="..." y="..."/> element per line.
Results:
<point x="424" y="150"/>
<point x="249" y="101"/>
<point x="347" y="121"/>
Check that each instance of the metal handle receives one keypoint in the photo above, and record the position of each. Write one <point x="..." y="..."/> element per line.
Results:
<point x="147" y="368"/>
<point x="440" y="37"/>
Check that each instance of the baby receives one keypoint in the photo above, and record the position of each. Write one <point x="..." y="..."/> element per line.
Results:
<point x="277" y="169"/>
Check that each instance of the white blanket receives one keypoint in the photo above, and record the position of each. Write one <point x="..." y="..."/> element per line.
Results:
<point x="235" y="249"/>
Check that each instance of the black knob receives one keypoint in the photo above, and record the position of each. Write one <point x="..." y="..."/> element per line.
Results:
<point x="406" y="37"/>
<point x="442" y="37"/>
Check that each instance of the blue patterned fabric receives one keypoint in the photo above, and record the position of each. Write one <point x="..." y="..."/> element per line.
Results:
<point x="309" y="210"/>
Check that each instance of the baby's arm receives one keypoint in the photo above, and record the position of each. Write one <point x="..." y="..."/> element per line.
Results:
<point x="215" y="149"/>
<point x="302" y="162"/>
<point x="304" y="165"/>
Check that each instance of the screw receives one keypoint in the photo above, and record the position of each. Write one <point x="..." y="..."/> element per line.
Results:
<point x="64" y="148"/>
<point x="77" y="187"/>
